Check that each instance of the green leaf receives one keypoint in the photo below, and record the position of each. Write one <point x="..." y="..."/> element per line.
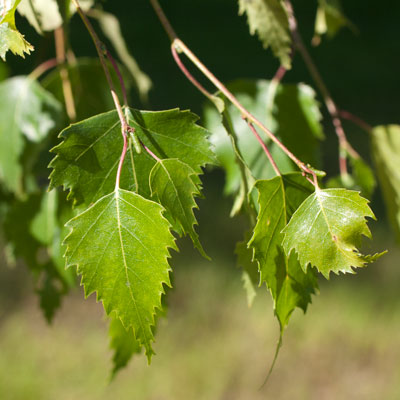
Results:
<point x="174" y="185"/>
<point x="111" y="27"/>
<point x="27" y="112"/>
<point x="17" y="232"/>
<point x="329" y="20"/>
<point x="326" y="231"/>
<point x="28" y="229"/>
<point x="124" y="344"/>
<point x="45" y="15"/>
<point x="10" y="38"/>
<point x="87" y="159"/>
<point x="289" y="285"/>
<point x="386" y="154"/>
<point x="120" y="247"/>
<point x="269" y="20"/>
<point x="294" y="117"/>
<point x="89" y="87"/>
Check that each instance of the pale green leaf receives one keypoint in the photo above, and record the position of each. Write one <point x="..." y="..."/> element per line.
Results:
<point x="174" y="185"/>
<point x="386" y="153"/>
<point x="10" y="38"/>
<point x="44" y="223"/>
<point x="45" y="15"/>
<point x="329" y="20"/>
<point x="87" y="159"/>
<point x="27" y="111"/>
<point x="120" y="247"/>
<point x="326" y="231"/>
<point x="289" y="285"/>
<point x="269" y="20"/>
<point x="123" y="343"/>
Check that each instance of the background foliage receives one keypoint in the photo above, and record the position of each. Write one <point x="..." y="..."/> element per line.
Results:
<point x="346" y="72"/>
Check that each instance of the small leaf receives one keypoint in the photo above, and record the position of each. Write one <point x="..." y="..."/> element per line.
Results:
<point x="120" y="247"/>
<point x="29" y="112"/>
<point x="269" y="20"/>
<point x="10" y="38"/>
<point x="175" y="184"/>
<point x="289" y="285"/>
<point x="329" y="20"/>
<point x="87" y="159"/>
<point x="124" y="344"/>
<point x="326" y="231"/>
<point x="386" y="154"/>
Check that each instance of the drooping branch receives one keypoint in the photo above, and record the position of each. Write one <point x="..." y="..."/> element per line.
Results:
<point x="177" y="46"/>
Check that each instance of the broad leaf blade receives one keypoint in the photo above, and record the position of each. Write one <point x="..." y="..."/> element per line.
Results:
<point x="175" y="185"/>
<point x="29" y="112"/>
<point x="386" y="153"/>
<point x="120" y="247"/>
<point x="289" y="285"/>
<point x="87" y="159"/>
<point x="269" y="20"/>
<point x="326" y="231"/>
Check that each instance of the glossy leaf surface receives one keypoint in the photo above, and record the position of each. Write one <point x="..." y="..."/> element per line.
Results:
<point x="174" y="185"/>
<point x="326" y="231"/>
<point x="289" y="285"/>
<point x="87" y="159"/>
<point x="120" y="247"/>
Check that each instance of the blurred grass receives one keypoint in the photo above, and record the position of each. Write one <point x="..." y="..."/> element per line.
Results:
<point x="212" y="346"/>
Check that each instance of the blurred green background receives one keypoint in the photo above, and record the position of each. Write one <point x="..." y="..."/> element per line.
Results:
<point x="212" y="346"/>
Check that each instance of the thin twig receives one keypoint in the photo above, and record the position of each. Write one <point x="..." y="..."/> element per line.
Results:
<point x="265" y="148"/>
<point x="273" y="86"/>
<point x="42" y="68"/>
<point x="102" y="52"/>
<point x="164" y="20"/>
<point x="356" y="120"/>
<point x="119" y="75"/>
<point x="149" y="151"/>
<point x="59" y="39"/>
<point x="181" y="47"/>
<point x="188" y="75"/>
<point x="344" y="145"/>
